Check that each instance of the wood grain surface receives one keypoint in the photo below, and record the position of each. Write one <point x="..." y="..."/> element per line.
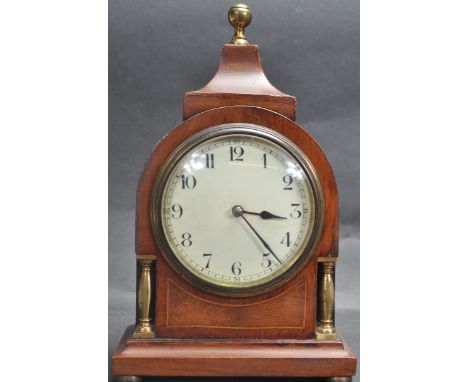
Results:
<point x="240" y="80"/>
<point x="210" y="358"/>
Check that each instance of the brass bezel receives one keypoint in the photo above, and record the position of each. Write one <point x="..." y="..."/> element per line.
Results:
<point x="223" y="130"/>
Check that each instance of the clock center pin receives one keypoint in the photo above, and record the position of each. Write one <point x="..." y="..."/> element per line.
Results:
<point x="237" y="211"/>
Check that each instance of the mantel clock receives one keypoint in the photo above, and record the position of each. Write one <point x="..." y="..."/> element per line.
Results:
<point x="236" y="238"/>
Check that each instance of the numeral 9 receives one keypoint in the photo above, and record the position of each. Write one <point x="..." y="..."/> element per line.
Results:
<point x="177" y="211"/>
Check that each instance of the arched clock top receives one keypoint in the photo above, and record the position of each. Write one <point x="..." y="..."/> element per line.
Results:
<point x="145" y="241"/>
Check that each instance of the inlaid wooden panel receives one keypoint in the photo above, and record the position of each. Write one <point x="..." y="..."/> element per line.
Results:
<point x="183" y="310"/>
<point x="286" y="310"/>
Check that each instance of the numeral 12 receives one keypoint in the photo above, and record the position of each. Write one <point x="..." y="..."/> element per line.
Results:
<point x="236" y="153"/>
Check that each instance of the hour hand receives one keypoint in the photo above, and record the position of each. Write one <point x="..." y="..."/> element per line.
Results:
<point x="264" y="215"/>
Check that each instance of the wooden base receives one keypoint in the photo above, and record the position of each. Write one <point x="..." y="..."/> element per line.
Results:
<point x="239" y="358"/>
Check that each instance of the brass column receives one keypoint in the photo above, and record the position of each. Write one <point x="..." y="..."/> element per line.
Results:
<point x="144" y="328"/>
<point x="326" y="325"/>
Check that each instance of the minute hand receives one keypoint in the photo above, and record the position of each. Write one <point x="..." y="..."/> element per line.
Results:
<point x="261" y="239"/>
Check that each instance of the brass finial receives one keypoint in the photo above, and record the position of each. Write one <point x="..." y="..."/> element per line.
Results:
<point x="239" y="17"/>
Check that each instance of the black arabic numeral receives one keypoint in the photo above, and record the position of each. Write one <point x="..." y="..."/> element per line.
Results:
<point x="209" y="259"/>
<point x="286" y="240"/>
<point x="236" y="270"/>
<point x="186" y="242"/>
<point x="236" y="153"/>
<point x="288" y="179"/>
<point x="296" y="214"/>
<point x="188" y="182"/>
<point x="266" y="263"/>
<point x="209" y="160"/>
<point x="177" y="211"/>
<point x="264" y="160"/>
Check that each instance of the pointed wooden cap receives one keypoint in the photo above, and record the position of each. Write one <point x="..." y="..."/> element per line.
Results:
<point x="240" y="80"/>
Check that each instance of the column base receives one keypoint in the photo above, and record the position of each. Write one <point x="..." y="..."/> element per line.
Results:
<point x="143" y="331"/>
<point x="327" y="333"/>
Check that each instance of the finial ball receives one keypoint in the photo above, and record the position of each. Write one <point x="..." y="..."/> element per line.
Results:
<point x="239" y="17"/>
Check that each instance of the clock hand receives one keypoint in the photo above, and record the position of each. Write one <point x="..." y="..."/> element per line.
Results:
<point x="264" y="215"/>
<point x="239" y="211"/>
<point x="265" y="244"/>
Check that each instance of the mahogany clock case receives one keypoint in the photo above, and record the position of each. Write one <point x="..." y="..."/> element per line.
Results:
<point x="186" y="311"/>
<point x="147" y="80"/>
<point x="201" y="334"/>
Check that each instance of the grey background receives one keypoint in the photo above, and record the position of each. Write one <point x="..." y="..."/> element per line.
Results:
<point x="158" y="50"/>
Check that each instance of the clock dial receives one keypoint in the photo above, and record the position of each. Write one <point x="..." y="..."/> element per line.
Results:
<point x="238" y="210"/>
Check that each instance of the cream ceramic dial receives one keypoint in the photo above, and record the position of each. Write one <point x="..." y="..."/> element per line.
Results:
<point x="238" y="209"/>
